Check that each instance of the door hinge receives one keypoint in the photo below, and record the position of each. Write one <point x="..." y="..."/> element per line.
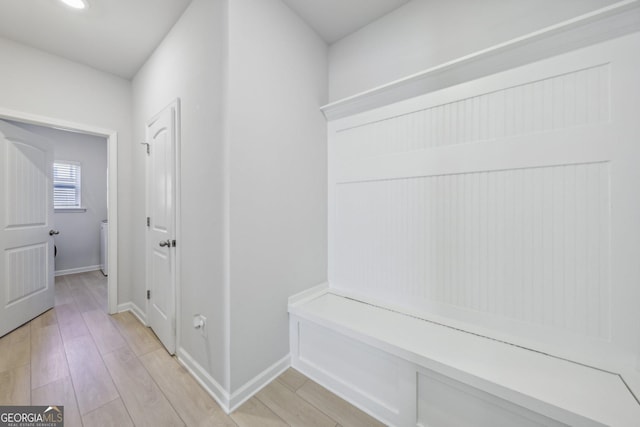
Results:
<point x="173" y="243"/>
<point x="148" y="221"/>
<point x="148" y="294"/>
<point x="148" y="147"/>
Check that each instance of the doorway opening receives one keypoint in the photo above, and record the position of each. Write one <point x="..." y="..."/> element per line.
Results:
<point x="111" y="138"/>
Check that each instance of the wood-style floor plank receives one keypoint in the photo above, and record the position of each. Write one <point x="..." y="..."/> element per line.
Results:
<point x="335" y="407"/>
<point x="15" y="348"/>
<point x="95" y="285"/>
<point x="254" y="413"/>
<point x="113" y="414"/>
<point x="70" y="321"/>
<point x="292" y="408"/>
<point x="59" y="393"/>
<point x="140" y="338"/>
<point x="82" y="296"/>
<point x="292" y="379"/>
<point x="63" y="294"/>
<point x="104" y="331"/>
<point x="15" y="386"/>
<point x="193" y="404"/>
<point x="48" y="361"/>
<point x="113" y="371"/>
<point x="91" y="380"/>
<point x="144" y="401"/>
<point x="47" y="318"/>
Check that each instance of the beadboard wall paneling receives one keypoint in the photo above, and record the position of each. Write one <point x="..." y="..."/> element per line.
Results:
<point x="564" y="101"/>
<point x="526" y="244"/>
<point x="506" y="206"/>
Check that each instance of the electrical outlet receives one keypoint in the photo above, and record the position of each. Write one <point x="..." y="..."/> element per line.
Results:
<point x="200" y="324"/>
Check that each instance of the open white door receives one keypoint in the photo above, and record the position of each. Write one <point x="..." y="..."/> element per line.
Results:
<point x="161" y="200"/>
<point x="26" y="215"/>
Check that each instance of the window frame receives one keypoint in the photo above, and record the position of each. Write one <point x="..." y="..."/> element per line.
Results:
<point x="77" y="185"/>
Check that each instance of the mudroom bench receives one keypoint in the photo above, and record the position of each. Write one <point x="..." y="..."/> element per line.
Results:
<point x="407" y="371"/>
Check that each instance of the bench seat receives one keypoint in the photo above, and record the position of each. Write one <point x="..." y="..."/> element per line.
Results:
<point x="425" y="362"/>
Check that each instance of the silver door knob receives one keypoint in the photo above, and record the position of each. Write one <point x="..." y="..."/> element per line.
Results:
<point x="53" y="232"/>
<point x="166" y="243"/>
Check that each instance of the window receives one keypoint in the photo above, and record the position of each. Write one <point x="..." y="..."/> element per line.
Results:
<point x="66" y="185"/>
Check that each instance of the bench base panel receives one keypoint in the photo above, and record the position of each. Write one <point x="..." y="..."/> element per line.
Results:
<point x="393" y="390"/>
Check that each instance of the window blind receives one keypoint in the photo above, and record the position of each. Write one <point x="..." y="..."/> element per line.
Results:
<point x="66" y="185"/>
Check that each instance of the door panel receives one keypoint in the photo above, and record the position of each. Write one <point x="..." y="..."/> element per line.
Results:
<point x="26" y="263"/>
<point x="162" y="140"/>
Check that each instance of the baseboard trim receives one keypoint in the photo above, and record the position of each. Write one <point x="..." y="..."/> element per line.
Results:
<point x="260" y="381"/>
<point x="135" y="310"/>
<point x="203" y="378"/>
<point x="308" y="294"/>
<point x="230" y="403"/>
<point x="76" y="270"/>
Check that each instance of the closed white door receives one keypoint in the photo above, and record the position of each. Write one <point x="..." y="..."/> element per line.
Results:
<point x="26" y="232"/>
<point x="161" y="225"/>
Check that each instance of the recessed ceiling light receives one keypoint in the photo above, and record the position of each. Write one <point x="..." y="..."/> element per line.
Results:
<point x="76" y="4"/>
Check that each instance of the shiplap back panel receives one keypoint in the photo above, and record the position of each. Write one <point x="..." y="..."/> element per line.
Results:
<point x="572" y="99"/>
<point x="528" y="244"/>
<point x="500" y="202"/>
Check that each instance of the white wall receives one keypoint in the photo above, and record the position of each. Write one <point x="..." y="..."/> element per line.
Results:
<point x="251" y="79"/>
<point x="35" y="82"/>
<point x="188" y="65"/>
<point x="425" y="33"/>
<point x="78" y="243"/>
<point x="277" y="171"/>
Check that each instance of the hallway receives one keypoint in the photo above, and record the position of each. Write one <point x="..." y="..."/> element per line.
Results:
<point x="112" y="371"/>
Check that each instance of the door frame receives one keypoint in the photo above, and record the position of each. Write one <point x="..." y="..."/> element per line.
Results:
<point x="176" y="105"/>
<point x="112" y="196"/>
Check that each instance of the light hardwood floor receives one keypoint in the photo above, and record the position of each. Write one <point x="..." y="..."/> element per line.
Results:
<point x="112" y="371"/>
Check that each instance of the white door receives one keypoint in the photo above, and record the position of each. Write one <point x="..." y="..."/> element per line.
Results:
<point x="26" y="214"/>
<point x="161" y="205"/>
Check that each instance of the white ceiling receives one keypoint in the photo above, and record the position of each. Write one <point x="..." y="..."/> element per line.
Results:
<point x="334" y="19"/>
<point x="116" y="36"/>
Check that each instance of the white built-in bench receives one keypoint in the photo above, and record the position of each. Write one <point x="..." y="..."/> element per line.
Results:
<point x="407" y="371"/>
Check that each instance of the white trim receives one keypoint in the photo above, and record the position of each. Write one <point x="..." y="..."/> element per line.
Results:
<point x="230" y="403"/>
<point x="76" y="270"/>
<point x="135" y="310"/>
<point x="226" y="204"/>
<point x="308" y="294"/>
<point x="320" y="377"/>
<point x="112" y="164"/>
<point x="113" y="218"/>
<point x="203" y="378"/>
<point x="77" y="185"/>
<point x="256" y="384"/>
<point x="178" y="219"/>
<point x="600" y="25"/>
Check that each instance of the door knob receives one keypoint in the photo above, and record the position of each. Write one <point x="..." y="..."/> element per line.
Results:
<point x="53" y="232"/>
<point x="166" y="243"/>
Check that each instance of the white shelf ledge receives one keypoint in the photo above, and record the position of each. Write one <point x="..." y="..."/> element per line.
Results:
<point x="603" y="24"/>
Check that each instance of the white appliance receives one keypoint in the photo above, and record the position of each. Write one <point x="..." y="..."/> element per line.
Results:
<point x="104" y="255"/>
